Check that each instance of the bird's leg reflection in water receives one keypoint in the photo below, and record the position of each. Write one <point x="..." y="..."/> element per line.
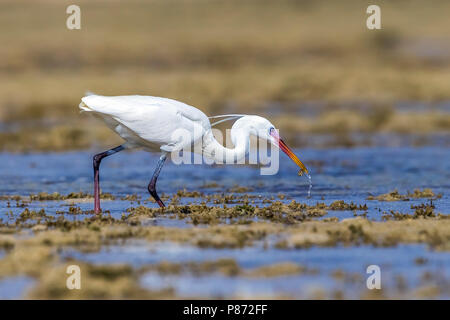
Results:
<point x="152" y="184"/>
<point x="96" y="161"/>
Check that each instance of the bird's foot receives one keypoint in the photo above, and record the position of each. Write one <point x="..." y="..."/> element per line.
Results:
<point x="160" y="203"/>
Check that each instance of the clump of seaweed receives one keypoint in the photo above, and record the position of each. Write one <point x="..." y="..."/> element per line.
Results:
<point x="225" y="266"/>
<point x="239" y="189"/>
<point x="243" y="213"/>
<point x="130" y="197"/>
<point x="391" y="196"/>
<point x="424" y="210"/>
<point x="420" y="261"/>
<point x="44" y="196"/>
<point x="10" y="197"/>
<point x="138" y="214"/>
<point x="357" y="231"/>
<point x="421" y="211"/>
<point x="425" y="193"/>
<point x="141" y="210"/>
<point x="350" y="277"/>
<point x="31" y="215"/>
<point x="210" y="185"/>
<point x="189" y="194"/>
<point x="6" y="242"/>
<point x="35" y="256"/>
<point x="228" y="267"/>
<point x="396" y="196"/>
<point x="99" y="282"/>
<point x="73" y="210"/>
<point x="342" y="205"/>
<point x="278" y="269"/>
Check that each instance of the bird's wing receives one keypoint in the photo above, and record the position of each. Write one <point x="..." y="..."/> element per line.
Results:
<point x="153" y="119"/>
<point x="226" y="117"/>
<point x="130" y="104"/>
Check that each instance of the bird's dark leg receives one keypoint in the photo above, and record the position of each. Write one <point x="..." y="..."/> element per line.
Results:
<point x="152" y="184"/>
<point x="97" y="159"/>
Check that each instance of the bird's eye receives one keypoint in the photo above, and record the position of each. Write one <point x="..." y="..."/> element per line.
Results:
<point x="271" y="129"/>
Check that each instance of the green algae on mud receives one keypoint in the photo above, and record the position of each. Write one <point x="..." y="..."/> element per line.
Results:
<point x="421" y="211"/>
<point x="44" y="196"/>
<point x="56" y="196"/>
<point x="38" y="255"/>
<point x="245" y="213"/>
<point x="33" y="239"/>
<point x="294" y="220"/>
<point x="396" y="196"/>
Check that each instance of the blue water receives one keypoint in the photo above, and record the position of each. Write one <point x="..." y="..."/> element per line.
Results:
<point x="337" y="174"/>
<point x="15" y="287"/>
<point x="394" y="262"/>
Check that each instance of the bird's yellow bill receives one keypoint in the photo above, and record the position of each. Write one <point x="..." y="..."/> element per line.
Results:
<point x="282" y="145"/>
<point x="294" y="158"/>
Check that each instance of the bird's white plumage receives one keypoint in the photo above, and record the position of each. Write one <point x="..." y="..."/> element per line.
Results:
<point x="161" y="124"/>
<point x="149" y="122"/>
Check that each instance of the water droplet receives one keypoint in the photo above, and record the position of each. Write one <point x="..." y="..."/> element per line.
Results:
<point x="310" y="185"/>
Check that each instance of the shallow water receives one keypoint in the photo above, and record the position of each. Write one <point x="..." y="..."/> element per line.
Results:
<point x="397" y="264"/>
<point x="338" y="174"/>
<point x="14" y="287"/>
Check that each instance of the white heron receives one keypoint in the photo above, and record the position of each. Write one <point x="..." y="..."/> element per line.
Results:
<point x="149" y="122"/>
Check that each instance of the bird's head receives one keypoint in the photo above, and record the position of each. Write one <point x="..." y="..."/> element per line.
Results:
<point x="264" y="129"/>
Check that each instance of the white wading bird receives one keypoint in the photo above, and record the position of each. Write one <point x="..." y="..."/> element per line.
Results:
<point x="149" y="122"/>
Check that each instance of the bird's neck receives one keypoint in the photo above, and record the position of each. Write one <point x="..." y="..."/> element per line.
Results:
<point x="220" y="154"/>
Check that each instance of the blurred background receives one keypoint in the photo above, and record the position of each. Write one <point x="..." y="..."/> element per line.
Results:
<point x="332" y="87"/>
<point x="312" y="67"/>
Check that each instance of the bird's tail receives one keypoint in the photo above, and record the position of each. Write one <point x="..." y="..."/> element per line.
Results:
<point x="83" y="107"/>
